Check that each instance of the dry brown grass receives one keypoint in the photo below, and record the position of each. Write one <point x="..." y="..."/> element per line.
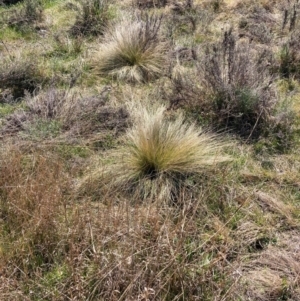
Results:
<point x="32" y="197"/>
<point x="273" y="274"/>
<point x="270" y="203"/>
<point x="107" y="250"/>
<point x="252" y="237"/>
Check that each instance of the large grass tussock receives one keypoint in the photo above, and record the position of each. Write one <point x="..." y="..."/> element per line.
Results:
<point x="157" y="145"/>
<point x="162" y="156"/>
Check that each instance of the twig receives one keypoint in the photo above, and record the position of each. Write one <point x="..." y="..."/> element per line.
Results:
<point x="10" y="57"/>
<point x="256" y="122"/>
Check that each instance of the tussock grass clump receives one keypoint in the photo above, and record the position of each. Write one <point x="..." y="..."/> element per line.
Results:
<point x="161" y="155"/>
<point x="92" y="18"/>
<point x="132" y="51"/>
<point x="25" y="17"/>
<point x="65" y="47"/>
<point x="186" y="18"/>
<point x="20" y="75"/>
<point x="160" y="146"/>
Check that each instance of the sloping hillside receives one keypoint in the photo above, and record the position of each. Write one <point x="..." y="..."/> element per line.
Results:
<point x="149" y="150"/>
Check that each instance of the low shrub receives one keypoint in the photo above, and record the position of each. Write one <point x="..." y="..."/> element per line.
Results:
<point x="132" y="51"/>
<point x="181" y="89"/>
<point x="290" y="15"/>
<point x="289" y="59"/>
<point x="282" y="132"/>
<point x="258" y="23"/>
<point x="238" y="83"/>
<point x="55" y="110"/>
<point x="234" y="89"/>
<point x="217" y="5"/>
<point x="82" y="115"/>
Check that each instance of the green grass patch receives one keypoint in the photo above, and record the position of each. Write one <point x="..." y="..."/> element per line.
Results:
<point x="44" y="129"/>
<point x="47" y="4"/>
<point x="72" y="151"/>
<point x="11" y="34"/>
<point x="6" y="109"/>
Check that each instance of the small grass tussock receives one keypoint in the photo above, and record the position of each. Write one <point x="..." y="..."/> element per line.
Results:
<point x="185" y="18"/>
<point x="19" y="75"/>
<point x="162" y="156"/>
<point x="65" y="47"/>
<point x="26" y="17"/>
<point x="132" y="51"/>
<point x="6" y="109"/>
<point x="92" y="18"/>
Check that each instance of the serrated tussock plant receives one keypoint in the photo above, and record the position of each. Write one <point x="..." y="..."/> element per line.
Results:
<point x="161" y="154"/>
<point x="132" y="51"/>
